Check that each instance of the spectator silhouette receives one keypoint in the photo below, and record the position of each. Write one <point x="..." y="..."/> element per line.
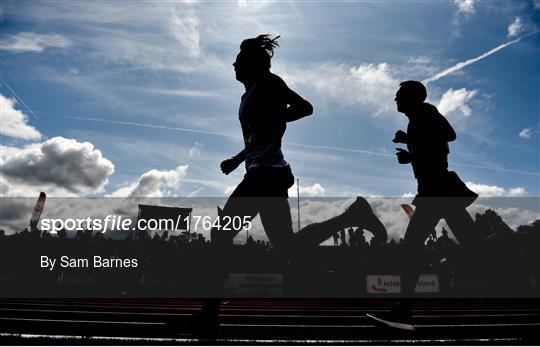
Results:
<point x="249" y="241"/>
<point x="343" y="238"/>
<point x="165" y="235"/>
<point x="444" y="241"/>
<point x="352" y="237"/>
<point x="335" y="236"/>
<point x="361" y="237"/>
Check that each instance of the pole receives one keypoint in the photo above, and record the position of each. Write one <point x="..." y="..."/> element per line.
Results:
<point x="298" y="200"/>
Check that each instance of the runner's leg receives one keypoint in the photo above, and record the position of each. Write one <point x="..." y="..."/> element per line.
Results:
<point x="358" y="214"/>
<point x="206" y="323"/>
<point x="422" y="222"/>
<point x="277" y="222"/>
<point x="462" y="225"/>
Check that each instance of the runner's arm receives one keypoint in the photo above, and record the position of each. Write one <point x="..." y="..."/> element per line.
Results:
<point x="298" y="107"/>
<point x="240" y="157"/>
<point x="229" y="165"/>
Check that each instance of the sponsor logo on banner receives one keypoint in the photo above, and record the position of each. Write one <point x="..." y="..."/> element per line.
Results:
<point x="383" y="284"/>
<point x="388" y="284"/>
<point x="251" y="284"/>
<point x="468" y="284"/>
<point x="427" y="284"/>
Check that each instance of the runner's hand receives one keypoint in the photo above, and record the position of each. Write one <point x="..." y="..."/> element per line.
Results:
<point x="403" y="156"/>
<point x="400" y="137"/>
<point x="229" y="165"/>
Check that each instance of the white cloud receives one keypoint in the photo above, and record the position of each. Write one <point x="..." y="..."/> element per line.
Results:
<point x="525" y="133"/>
<point x="536" y="4"/>
<point x="253" y="5"/>
<point x="167" y="35"/>
<point x="13" y="123"/>
<point x="154" y="183"/>
<point x="485" y="190"/>
<point x="314" y="211"/>
<point x="464" y="10"/>
<point x="517" y="191"/>
<point x="515" y="28"/>
<point x="421" y="60"/>
<point x="229" y="189"/>
<point x="456" y="101"/>
<point x="465" y="6"/>
<point x="32" y="42"/>
<point x="313" y="190"/>
<point x="196" y="150"/>
<point x="58" y="166"/>
<point x="365" y="84"/>
<point x="185" y="29"/>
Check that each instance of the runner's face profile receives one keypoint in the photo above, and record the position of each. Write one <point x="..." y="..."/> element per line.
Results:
<point x="404" y="101"/>
<point x="399" y="101"/>
<point x="241" y="67"/>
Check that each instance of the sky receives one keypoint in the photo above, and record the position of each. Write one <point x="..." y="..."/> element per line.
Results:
<point x="138" y="98"/>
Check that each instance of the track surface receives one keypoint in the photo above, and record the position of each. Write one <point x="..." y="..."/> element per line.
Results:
<point x="134" y="321"/>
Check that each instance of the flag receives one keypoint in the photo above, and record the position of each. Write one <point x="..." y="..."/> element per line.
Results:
<point x="408" y="209"/>
<point x="38" y="208"/>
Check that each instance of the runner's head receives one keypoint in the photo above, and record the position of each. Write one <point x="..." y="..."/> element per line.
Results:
<point x="410" y="96"/>
<point x="254" y="57"/>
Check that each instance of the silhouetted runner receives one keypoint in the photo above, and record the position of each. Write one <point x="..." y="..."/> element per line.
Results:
<point x="267" y="105"/>
<point x="265" y="108"/>
<point x="441" y="193"/>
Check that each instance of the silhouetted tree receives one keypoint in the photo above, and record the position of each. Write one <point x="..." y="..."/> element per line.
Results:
<point x="490" y="223"/>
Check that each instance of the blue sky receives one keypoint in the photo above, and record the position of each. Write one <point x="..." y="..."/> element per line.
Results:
<point x="139" y="98"/>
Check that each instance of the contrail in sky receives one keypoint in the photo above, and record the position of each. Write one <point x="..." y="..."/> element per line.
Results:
<point x="307" y="146"/>
<point x="147" y="125"/>
<point x="19" y="99"/>
<point x="197" y="131"/>
<point x="465" y="63"/>
<point x="342" y="149"/>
